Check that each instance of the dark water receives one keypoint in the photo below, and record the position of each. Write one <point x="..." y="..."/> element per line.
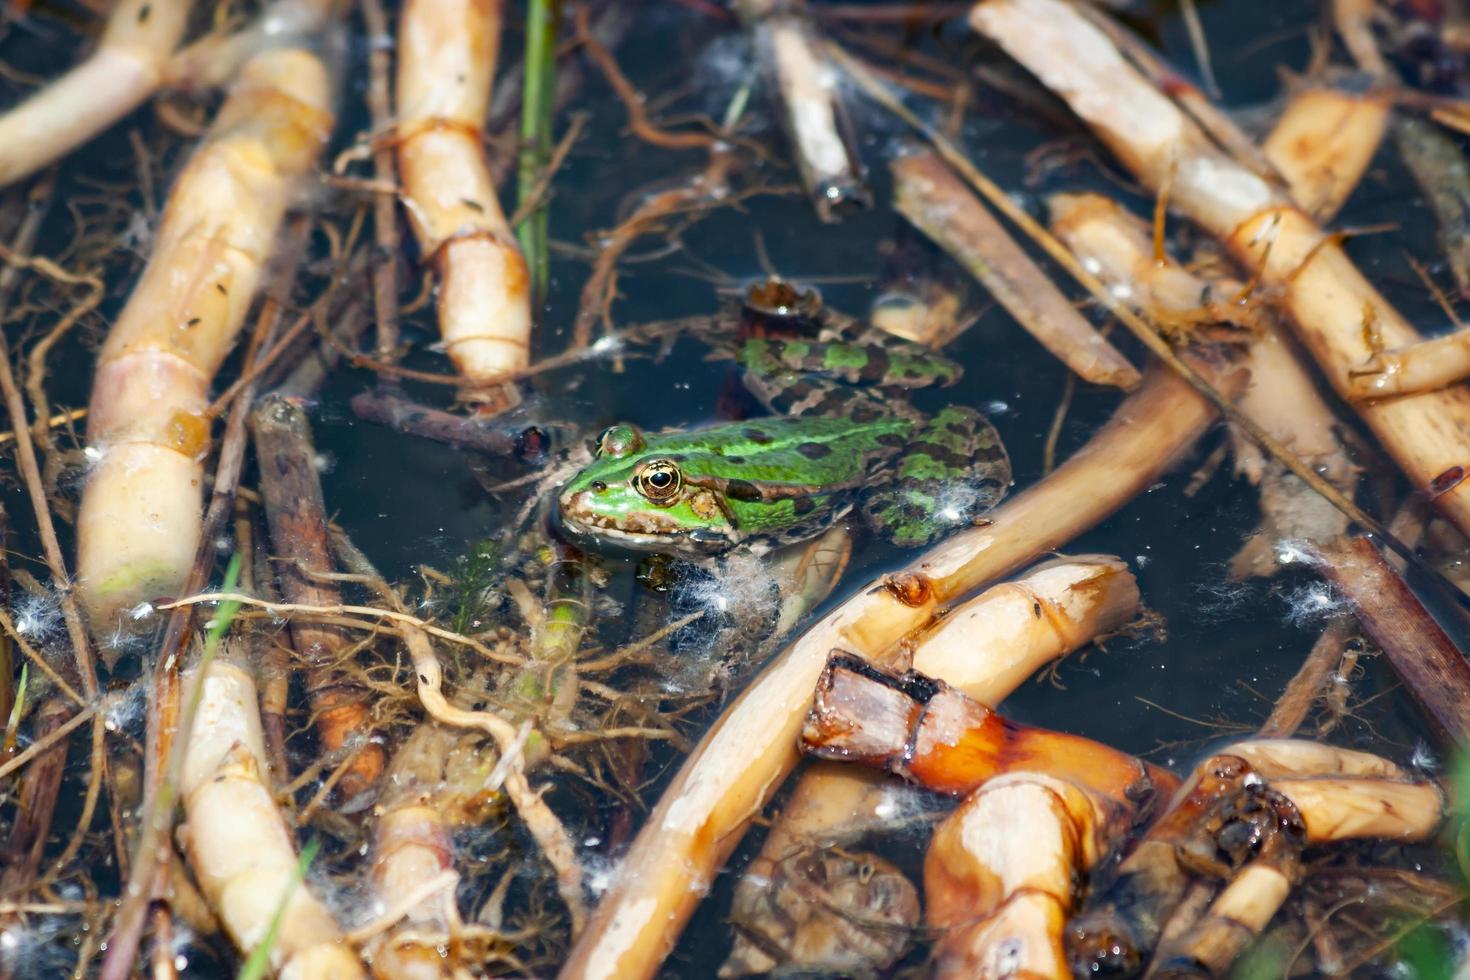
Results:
<point x="1227" y="648"/>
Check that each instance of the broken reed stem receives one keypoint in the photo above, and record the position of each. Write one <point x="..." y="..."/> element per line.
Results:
<point x="447" y="53"/>
<point x="119" y="75"/>
<point x="138" y="527"/>
<point x="161" y="741"/>
<point x="1150" y="337"/>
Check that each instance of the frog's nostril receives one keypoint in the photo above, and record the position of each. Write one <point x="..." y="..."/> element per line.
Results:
<point x="598" y="486"/>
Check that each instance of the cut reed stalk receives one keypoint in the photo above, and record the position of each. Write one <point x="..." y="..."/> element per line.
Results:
<point x="1282" y="397"/>
<point x="1420" y="652"/>
<point x="815" y="119"/>
<point x="446" y="64"/>
<point x="124" y="71"/>
<point x="999" y="873"/>
<point x="238" y="842"/>
<point x="139" y="523"/>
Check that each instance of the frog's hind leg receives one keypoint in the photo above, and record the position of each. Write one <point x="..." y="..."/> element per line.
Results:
<point x="953" y="470"/>
<point x="868" y="361"/>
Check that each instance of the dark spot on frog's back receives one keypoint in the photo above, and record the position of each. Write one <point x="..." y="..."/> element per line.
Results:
<point x="743" y="490"/>
<point x="758" y="436"/>
<point x="802" y="505"/>
<point x="892" y="440"/>
<point x="735" y="460"/>
<point x="814" y="450"/>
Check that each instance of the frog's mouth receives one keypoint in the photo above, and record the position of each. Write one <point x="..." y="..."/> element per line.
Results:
<point x="642" y="531"/>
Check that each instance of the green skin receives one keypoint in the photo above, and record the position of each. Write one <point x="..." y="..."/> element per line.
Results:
<point x="768" y="482"/>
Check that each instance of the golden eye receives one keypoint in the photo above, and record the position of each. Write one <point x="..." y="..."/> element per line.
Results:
<point x="659" y="481"/>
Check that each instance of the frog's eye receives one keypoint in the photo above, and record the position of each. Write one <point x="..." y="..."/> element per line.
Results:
<point x="659" y="481"/>
<point x="618" y="441"/>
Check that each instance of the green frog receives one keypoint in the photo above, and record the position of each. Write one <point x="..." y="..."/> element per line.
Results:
<point x="844" y="437"/>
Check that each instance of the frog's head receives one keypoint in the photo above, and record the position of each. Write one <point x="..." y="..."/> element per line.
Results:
<point x="637" y="496"/>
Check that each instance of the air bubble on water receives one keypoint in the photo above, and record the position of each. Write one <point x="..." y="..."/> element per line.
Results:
<point x="324" y="463"/>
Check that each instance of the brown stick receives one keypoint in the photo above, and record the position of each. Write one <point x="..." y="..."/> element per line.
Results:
<point x="929" y="194"/>
<point x="35" y="804"/>
<point x="297" y="516"/>
<point x="1303" y="690"/>
<point x="385" y="172"/>
<point x="1422" y="655"/>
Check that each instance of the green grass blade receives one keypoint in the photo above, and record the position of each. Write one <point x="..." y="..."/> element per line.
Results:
<point x="260" y="957"/>
<point x="536" y="113"/>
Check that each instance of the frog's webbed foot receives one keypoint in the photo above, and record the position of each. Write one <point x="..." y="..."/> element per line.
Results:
<point x="953" y="471"/>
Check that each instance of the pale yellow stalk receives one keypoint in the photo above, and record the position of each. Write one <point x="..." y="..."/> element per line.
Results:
<point x="1336" y="312"/>
<point x="124" y="71"/>
<point x="998" y="876"/>
<point x="147" y="430"/>
<point x="743" y="758"/>
<point x="446" y="63"/>
<point x="1323" y="142"/>
<point x="810" y="100"/>
<point x="237" y="840"/>
<point x="1423" y="366"/>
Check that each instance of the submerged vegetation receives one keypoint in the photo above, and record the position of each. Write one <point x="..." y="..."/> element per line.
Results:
<point x="470" y="462"/>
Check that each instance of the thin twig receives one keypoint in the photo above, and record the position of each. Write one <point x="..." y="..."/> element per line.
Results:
<point x="289" y="608"/>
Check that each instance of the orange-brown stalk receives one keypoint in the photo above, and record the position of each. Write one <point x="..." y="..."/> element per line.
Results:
<point x="985" y="647"/>
<point x="297" y="515"/>
<point x="930" y="734"/>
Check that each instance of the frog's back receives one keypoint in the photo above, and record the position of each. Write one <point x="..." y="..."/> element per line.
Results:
<point x="818" y="452"/>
